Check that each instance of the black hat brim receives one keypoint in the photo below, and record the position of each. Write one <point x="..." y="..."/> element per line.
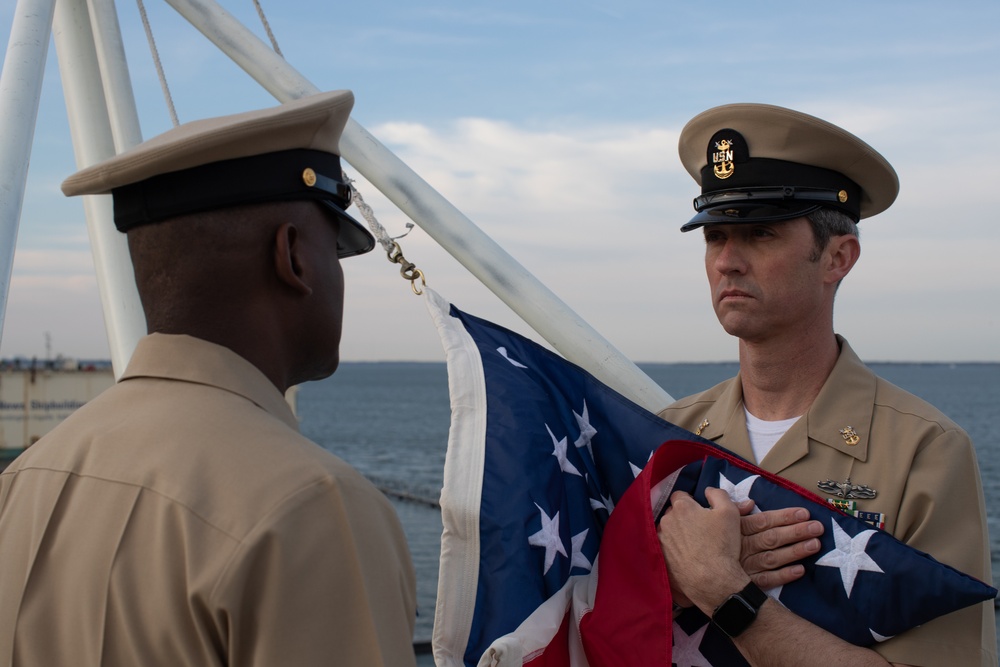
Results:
<point x="353" y="239"/>
<point x="744" y="213"/>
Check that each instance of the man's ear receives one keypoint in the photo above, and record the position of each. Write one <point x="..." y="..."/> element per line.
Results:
<point x="288" y="258"/>
<point x="843" y="252"/>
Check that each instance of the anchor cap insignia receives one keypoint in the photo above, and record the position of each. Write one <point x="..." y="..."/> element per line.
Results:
<point x="850" y="436"/>
<point x="726" y="149"/>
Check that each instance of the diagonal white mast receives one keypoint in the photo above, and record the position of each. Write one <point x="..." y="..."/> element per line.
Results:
<point x="103" y="122"/>
<point x="20" y="91"/>
<point x="484" y="258"/>
<point x="89" y="52"/>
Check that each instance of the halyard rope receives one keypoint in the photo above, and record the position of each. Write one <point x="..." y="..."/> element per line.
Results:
<point x="267" y="28"/>
<point x="159" y="66"/>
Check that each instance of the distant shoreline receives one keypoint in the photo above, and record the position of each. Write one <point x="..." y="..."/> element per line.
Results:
<point x="710" y="363"/>
<point x="24" y="363"/>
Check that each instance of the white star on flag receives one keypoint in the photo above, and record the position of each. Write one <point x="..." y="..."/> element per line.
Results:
<point x="739" y="492"/>
<point x="578" y="559"/>
<point x="503" y="353"/>
<point x="605" y="503"/>
<point x="849" y="555"/>
<point x="587" y="432"/>
<point x="559" y="451"/>
<point x="636" y="469"/>
<point x="548" y="538"/>
<point x="687" y="651"/>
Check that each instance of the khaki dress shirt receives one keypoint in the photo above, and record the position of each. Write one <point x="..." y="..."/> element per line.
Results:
<point x="180" y="518"/>
<point x="922" y="465"/>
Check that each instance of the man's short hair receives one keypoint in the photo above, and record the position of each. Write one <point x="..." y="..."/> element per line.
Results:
<point x="827" y="223"/>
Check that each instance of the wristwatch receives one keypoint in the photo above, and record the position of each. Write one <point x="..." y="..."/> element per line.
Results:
<point x="739" y="610"/>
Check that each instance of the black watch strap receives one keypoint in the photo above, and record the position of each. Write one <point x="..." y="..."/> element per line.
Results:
<point x="739" y="610"/>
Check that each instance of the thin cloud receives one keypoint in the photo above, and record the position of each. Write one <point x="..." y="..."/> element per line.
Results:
<point x="554" y="128"/>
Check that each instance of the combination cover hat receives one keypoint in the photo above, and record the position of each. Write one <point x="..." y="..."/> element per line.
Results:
<point x="283" y="153"/>
<point x="758" y="163"/>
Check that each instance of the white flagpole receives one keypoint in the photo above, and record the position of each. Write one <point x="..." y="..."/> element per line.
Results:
<point x="110" y="50"/>
<point x="483" y="257"/>
<point x="20" y="92"/>
<point x="93" y="141"/>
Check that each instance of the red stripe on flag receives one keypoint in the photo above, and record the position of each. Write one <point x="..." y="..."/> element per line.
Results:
<point x="556" y="654"/>
<point x="632" y="620"/>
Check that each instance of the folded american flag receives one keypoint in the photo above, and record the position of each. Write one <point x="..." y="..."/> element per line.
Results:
<point x="543" y="471"/>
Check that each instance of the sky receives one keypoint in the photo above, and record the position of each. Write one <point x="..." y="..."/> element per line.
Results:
<point x="553" y="126"/>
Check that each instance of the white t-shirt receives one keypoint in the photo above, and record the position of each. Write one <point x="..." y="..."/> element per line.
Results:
<point x="763" y="434"/>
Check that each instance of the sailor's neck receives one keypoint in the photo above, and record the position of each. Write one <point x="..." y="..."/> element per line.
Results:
<point x="781" y="381"/>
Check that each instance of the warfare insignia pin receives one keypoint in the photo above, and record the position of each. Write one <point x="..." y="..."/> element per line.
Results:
<point x="846" y="489"/>
<point x="850" y="435"/>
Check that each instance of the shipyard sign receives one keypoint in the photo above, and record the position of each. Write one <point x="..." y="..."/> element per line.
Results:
<point x="32" y="403"/>
<point x="52" y="408"/>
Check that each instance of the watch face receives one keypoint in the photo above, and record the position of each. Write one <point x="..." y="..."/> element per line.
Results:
<point x="734" y="615"/>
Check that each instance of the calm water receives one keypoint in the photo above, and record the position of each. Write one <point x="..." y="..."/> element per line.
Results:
<point x="390" y="420"/>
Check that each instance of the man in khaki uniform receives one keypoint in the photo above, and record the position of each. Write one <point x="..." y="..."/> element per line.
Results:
<point x="781" y="195"/>
<point x="180" y="518"/>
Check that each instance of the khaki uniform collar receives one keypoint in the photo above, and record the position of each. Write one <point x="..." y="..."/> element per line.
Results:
<point x="845" y="403"/>
<point x="841" y="415"/>
<point x="726" y="420"/>
<point x="190" y="359"/>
